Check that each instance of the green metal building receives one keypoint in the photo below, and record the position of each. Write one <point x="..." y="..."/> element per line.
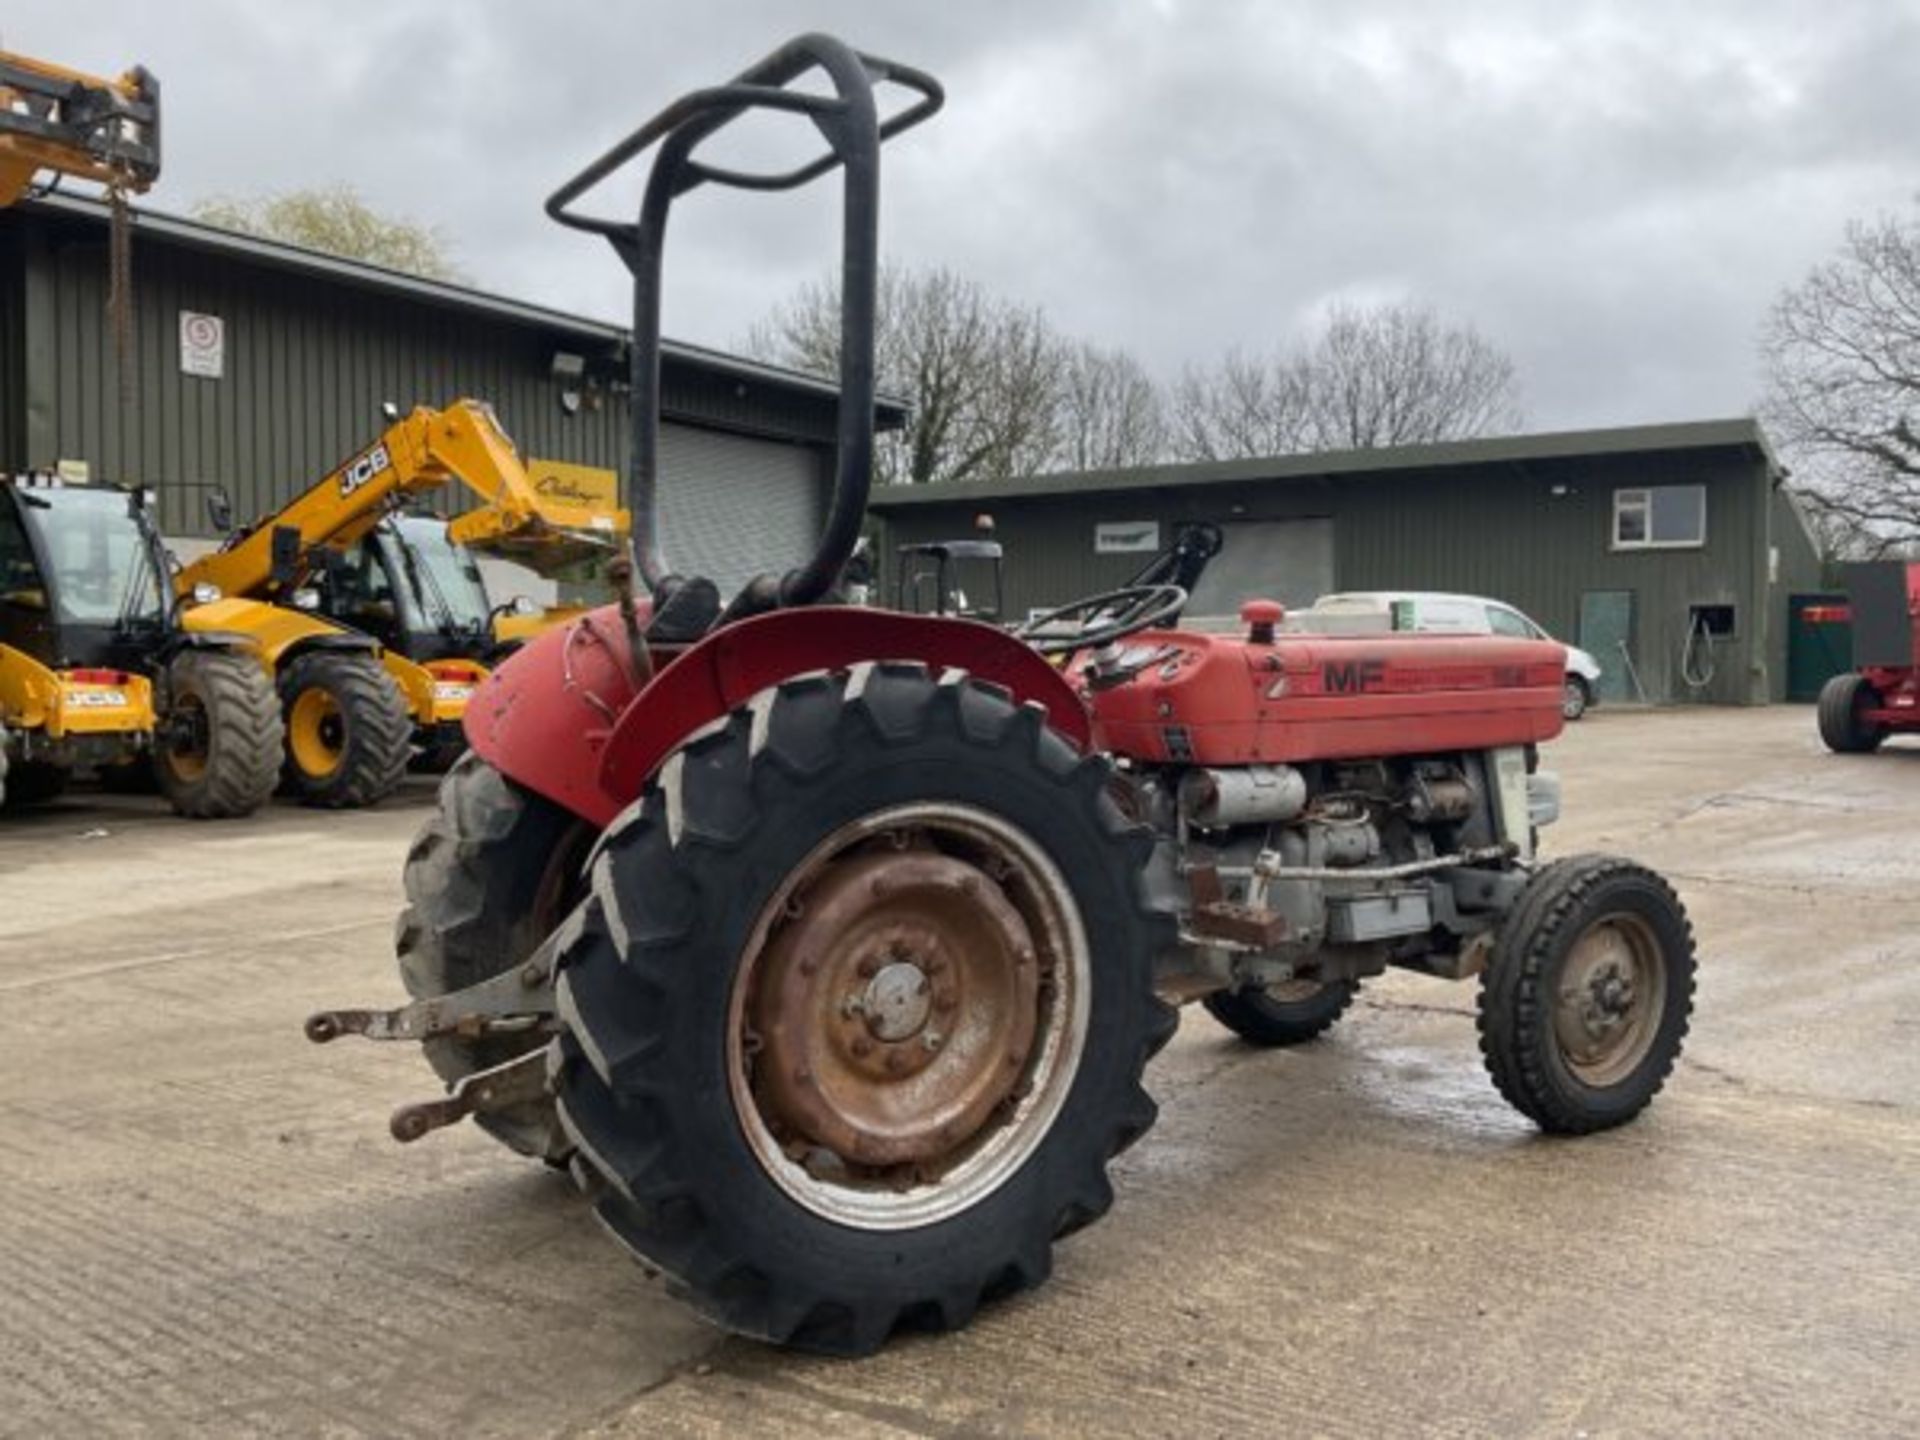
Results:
<point x="257" y="367"/>
<point x="1624" y="541"/>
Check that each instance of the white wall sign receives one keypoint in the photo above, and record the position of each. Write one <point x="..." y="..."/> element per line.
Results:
<point x="203" y="345"/>
<point x="1126" y="538"/>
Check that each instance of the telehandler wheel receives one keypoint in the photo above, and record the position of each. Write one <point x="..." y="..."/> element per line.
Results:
<point x="1286" y="1014"/>
<point x="348" y="731"/>
<point x="857" y="1013"/>
<point x="1842" y="699"/>
<point x="494" y="870"/>
<point x="218" y="753"/>
<point x="1585" y="1001"/>
<point x="35" y="782"/>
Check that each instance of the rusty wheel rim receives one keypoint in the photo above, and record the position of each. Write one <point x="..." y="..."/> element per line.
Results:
<point x="908" y="1016"/>
<point x="1611" y="998"/>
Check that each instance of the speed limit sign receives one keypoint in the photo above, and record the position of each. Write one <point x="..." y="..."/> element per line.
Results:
<point x="203" y="344"/>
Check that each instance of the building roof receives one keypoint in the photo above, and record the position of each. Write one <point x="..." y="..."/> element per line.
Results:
<point x="1743" y="433"/>
<point x="280" y="255"/>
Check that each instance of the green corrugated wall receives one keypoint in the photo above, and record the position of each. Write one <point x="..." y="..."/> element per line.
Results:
<point x="1497" y="529"/>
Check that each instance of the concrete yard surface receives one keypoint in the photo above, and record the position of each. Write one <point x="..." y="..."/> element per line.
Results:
<point x="204" y="1227"/>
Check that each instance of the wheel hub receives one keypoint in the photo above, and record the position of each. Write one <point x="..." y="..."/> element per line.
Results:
<point x="897" y="1001"/>
<point x="894" y="1013"/>
<point x="1609" y="1003"/>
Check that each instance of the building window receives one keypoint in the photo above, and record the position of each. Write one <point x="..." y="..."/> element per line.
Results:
<point x="1660" y="517"/>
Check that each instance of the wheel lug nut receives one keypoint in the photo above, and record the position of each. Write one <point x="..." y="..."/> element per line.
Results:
<point x="933" y="1040"/>
<point x="868" y="968"/>
<point x="862" y="1046"/>
<point x="896" y="1062"/>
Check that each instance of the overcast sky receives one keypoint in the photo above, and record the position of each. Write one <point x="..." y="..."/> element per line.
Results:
<point x="1613" y="192"/>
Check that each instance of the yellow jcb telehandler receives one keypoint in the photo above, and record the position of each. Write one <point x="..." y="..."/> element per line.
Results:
<point x="375" y="621"/>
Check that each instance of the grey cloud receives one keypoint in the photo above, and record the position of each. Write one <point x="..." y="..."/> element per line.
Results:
<point x="1612" y="192"/>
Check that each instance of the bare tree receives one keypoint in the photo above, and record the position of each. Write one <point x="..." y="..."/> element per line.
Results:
<point x="1841" y="351"/>
<point x="992" y="389"/>
<point x="337" y="221"/>
<point x="1391" y="375"/>
<point x="1245" y="407"/>
<point x="1110" y="414"/>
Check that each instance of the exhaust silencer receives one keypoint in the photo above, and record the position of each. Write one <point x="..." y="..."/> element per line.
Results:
<point x="1247" y="795"/>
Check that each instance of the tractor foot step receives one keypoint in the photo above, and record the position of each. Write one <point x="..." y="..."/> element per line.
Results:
<point x="513" y="1083"/>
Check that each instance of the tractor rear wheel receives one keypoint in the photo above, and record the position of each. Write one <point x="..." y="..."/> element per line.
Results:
<point x="1290" y="1013"/>
<point x="857" y="1013"/>
<point x="35" y="782"/>
<point x="1843" y="730"/>
<point x="494" y="870"/>
<point x="218" y="753"/>
<point x="348" y="731"/>
<point x="1585" y="1000"/>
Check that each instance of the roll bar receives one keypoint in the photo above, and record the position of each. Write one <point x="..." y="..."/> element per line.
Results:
<point x="849" y="121"/>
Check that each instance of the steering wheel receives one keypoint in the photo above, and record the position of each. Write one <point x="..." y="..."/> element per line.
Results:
<point x="1101" y="619"/>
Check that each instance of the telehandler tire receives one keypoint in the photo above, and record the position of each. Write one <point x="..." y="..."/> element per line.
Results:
<point x="35" y="782"/>
<point x="1287" y="1014"/>
<point x="1585" y="1001"/>
<point x="856" y="1016"/>
<point x="492" y="872"/>
<point x="1842" y="699"/>
<point x="348" y="731"/>
<point x="226" y="759"/>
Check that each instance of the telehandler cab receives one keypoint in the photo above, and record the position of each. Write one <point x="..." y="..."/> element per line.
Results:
<point x="96" y="670"/>
<point x="828" y="945"/>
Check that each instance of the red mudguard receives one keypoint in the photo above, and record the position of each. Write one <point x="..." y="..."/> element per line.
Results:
<point x="566" y="718"/>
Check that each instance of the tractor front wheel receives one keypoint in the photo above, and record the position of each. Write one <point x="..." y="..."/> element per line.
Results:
<point x="1290" y="1013"/>
<point x="348" y="731"/>
<point x="218" y="750"/>
<point x="1842" y="727"/>
<point x="494" y="870"/>
<point x="857" y="1013"/>
<point x="1585" y="1001"/>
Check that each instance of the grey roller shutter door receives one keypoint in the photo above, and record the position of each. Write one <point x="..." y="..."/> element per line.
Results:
<point x="732" y="507"/>
<point x="1286" y="560"/>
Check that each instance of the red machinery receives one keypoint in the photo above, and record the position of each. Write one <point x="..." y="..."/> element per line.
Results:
<point x="1881" y="697"/>
<point x="828" y="946"/>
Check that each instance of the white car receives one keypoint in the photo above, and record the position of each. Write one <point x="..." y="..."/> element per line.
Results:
<point x="1355" y="611"/>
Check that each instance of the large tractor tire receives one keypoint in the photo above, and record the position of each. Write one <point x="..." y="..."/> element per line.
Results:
<point x="1843" y="730"/>
<point x="219" y="757"/>
<point x="348" y="731"/>
<point x="856" y="1015"/>
<point x="490" y="875"/>
<point x="35" y="782"/>
<point x="1291" y="1013"/>
<point x="1585" y="1001"/>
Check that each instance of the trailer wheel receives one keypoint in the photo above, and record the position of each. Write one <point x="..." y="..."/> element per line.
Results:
<point x="218" y="752"/>
<point x="348" y="731"/>
<point x="491" y="873"/>
<point x="1843" y="730"/>
<point x="857" y="1013"/>
<point x="1585" y="1001"/>
<point x="1286" y="1014"/>
<point x="35" y="782"/>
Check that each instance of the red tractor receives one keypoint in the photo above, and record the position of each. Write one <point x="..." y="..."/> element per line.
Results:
<point x="827" y="946"/>
<point x="1881" y="696"/>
